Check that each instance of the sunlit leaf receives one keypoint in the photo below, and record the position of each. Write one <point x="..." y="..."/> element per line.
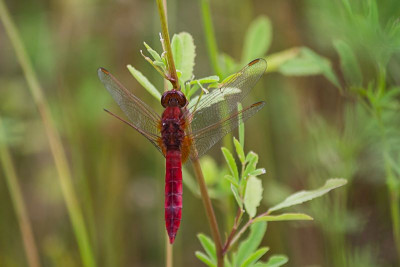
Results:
<point x="253" y="195"/>
<point x="257" y="172"/>
<point x="183" y="49"/>
<point x="231" y="163"/>
<point x="284" y="217"/>
<point x="153" y="53"/>
<point x="239" y="150"/>
<point x="252" y="160"/>
<point x="144" y="82"/>
<point x="257" y="39"/>
<point x="303" y="196"/>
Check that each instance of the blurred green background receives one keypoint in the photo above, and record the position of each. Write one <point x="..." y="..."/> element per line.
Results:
<point x="314" y="127"/>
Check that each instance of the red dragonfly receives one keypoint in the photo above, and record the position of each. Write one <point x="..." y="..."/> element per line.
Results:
<point x="186" y="130"/>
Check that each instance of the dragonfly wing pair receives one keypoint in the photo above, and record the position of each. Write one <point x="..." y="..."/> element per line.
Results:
<point x="211" y="118"/>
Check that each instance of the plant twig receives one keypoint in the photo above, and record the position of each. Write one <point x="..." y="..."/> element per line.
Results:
<point x="233" y="231"/>
<point x="172" y="75"/>
<point x="212" y="220"/>
<point x="18" y="202"/>
<point x="56" y="147"/>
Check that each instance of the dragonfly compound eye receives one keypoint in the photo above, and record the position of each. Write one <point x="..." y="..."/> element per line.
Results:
<point x="173" y="98"/>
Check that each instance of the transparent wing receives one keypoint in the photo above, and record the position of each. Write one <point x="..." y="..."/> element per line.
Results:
<point x="220" y="102"/>
<point x="141" y="116"/>
<point x="205" y="138"/>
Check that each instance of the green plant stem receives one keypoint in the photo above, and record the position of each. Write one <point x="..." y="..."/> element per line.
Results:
<point x="18" y="202"/>
<point x="173" y="77"/>
<point x="209" y="211"/>
<point x="56" y="147"/>
<point x="212" y="46"/>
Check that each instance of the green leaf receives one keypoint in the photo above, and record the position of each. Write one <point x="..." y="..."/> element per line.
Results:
<point x="248" y="246"/>
<point x="239" y="150"/>
<point x="144" y="82"/>
<point x="204" y="258"/>
<point x="208" y="246"/>
<point x="153" y="53"/>
<point x="348" y="63"/>
<point x="306" y="63"/>
<point x="274" y="261"/>
<point x="205" y="80"/>
<point x="284" y="217"/>
<point x="231" y="163"/>
<point x="255" y="256"/>
<point x="257" y="172"/>
<point x="303" y="196"/>
<point x="253" y="195"/>
<point x="237" y="196"/>
<point x="183" y="50"/>
<point x="258" y="39"/>
<point x="252" y="160"/>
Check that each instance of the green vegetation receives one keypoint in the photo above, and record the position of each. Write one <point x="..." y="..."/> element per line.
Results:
<point x="78" y="188"/>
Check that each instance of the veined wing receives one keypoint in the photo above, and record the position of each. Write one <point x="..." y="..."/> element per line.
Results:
<point x="205" y="138"/>
<point x="142" y="117"/>
<point x="220" y="102"/>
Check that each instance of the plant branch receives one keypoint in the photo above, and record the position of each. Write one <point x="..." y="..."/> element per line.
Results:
<point x="18" y="202"/>
<point x="233" y="231"/>
<point x="172" y="75"/>
<point x="56" y="147"/>
<point x="209" y="211"/>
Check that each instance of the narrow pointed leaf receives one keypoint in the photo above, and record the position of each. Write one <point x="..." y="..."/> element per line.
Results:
<point x="144" y="82"/>
<point x="239" y="150"/>
<point x="255" y="256"/>
<point x="204" y="258"/>
<point x="284" y="217"/>
<point x="231" y="163"/>
<point x="303" y="196"/>
<point x="208" y="246"/>
<point x="248" y="246"/>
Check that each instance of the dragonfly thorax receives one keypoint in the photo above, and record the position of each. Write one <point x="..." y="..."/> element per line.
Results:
<point x="172" y="130"/>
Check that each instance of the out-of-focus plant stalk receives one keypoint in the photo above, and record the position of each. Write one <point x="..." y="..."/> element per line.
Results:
<point x="18" y="202"/>
<point x="212" y="220"/>
<point x="277" y="59"/>
<point x="169" y="259"/>
<point x="212" y="46"/>
<point x="56" y="147"/>
<point x="173" y="76"/>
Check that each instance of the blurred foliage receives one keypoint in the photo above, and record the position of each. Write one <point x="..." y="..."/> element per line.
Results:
<point x="344" y="124"/>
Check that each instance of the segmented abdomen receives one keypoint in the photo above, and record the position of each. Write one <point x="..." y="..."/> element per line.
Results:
<point x="173" y="193"/>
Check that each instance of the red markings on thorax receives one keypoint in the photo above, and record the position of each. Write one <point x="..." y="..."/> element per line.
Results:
<point x="172" y="128"/>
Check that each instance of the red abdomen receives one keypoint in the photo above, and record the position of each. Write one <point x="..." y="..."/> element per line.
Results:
<point x="173" y="193"/>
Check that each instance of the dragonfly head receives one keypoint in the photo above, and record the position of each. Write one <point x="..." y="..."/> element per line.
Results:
<point x="173" y="98"/>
